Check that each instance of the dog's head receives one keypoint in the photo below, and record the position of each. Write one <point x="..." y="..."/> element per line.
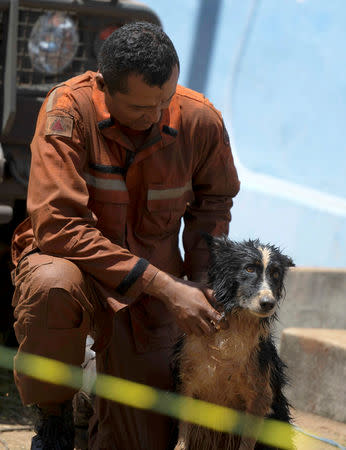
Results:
<point x="247" y="275"/>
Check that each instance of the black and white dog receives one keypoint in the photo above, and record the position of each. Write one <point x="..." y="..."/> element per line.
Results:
<point x="238" y="367"/>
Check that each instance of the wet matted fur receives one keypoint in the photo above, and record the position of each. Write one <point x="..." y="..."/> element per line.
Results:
<point x="238" y="367"/>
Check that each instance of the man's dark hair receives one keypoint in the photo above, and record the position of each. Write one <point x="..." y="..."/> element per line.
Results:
<point x="139" y="48"/>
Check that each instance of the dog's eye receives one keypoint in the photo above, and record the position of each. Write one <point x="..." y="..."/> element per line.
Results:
<point x="276" y="275"/>
<point x="250" y="269"/>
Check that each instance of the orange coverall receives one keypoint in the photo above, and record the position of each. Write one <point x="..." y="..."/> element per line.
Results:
<point x="103" y="218"/>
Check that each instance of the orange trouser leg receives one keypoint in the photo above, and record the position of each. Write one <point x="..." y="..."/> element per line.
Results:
<point x="53" y="314"/>
<point x="117" y="426"/>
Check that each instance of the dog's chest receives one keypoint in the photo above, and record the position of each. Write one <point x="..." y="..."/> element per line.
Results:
<point x="220" y="369"/>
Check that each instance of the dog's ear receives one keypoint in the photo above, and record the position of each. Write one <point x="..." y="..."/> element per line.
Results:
<point x="290" y="262"/>
<point x="208" y="238"/>
<point x="217" y="243"/>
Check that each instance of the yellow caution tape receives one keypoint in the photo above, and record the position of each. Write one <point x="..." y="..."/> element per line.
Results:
<point x="218" y="418"/>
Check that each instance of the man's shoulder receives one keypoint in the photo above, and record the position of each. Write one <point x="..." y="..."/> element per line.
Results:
<point x="65" y="95"/>
<point x="187" y="94"/>
<point x="192" y="102"/>
<point x="83" y="80"/>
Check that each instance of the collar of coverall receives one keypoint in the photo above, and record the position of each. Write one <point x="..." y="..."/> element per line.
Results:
<point x="162" y="134"/>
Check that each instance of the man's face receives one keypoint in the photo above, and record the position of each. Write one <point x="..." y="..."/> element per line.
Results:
<point x="142" y="105"/>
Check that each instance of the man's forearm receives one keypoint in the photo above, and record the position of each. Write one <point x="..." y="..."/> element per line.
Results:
<point x="161" y="286"/>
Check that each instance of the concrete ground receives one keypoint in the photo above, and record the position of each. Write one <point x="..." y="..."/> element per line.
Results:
<point x="321" y="427"/>
<point x="16" y="428"/>
<point x="18" y="437"/>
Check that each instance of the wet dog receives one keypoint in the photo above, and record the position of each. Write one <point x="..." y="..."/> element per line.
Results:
<point x="238" y="367"/>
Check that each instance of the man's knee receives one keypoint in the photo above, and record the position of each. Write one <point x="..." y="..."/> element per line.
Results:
<point x="53" y="293"/>
<point x="58" y="273"/>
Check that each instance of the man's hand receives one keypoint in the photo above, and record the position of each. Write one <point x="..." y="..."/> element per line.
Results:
<point x="189" y="302"/>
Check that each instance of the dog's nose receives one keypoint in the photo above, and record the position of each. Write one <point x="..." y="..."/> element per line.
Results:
<point x="267" y="303"/>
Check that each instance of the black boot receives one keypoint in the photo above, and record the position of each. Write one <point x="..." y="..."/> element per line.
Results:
<point x="83" y="409"/>
<point x="54" y="431"/>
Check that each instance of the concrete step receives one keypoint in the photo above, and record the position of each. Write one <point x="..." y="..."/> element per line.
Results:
<point x="316" y="360"/>
<point x="315" y="298"/>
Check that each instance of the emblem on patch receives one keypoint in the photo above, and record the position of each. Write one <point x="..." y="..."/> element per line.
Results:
<point x="59" y="125"/>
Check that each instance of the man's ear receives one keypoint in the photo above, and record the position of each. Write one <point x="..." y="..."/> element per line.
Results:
<point x="100" y="82"/>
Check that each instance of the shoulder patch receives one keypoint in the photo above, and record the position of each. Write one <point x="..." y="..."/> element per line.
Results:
<point x="59" y="125"/>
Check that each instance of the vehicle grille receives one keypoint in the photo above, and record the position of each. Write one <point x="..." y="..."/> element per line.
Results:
<point x="26" y="75"/>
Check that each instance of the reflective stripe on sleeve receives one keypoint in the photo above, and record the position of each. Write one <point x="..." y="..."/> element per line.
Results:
<point x="164" y="194"/>
<point x="106" y="184"/>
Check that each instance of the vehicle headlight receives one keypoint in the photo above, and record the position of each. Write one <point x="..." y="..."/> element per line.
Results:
<point x="53" y="42"/>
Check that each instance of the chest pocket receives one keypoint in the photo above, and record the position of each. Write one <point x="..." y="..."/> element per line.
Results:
<point x="109" y="200"/>
<point x="165" y="207"/>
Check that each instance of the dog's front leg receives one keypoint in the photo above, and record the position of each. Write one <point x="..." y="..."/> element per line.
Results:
<point x="252" y="426"/>
<point x="182" y="443"/>
<point x="247" y="444"/>
<point x="257" y="407"/>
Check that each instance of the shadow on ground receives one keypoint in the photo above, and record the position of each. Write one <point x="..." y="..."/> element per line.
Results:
<point x="12" y="412"/>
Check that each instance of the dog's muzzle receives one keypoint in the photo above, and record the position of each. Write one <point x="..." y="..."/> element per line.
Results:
<point x="267" y="303"/>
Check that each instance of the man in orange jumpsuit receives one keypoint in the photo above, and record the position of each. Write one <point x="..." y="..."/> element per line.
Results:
<point x="119" y="157"/>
